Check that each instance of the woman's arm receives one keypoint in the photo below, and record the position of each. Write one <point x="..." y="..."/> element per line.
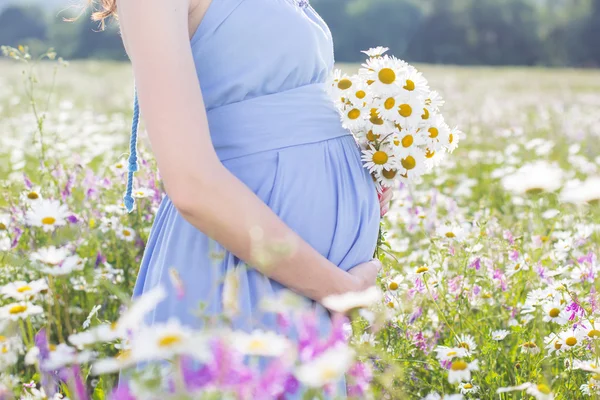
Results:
<point x="201" y="188"/>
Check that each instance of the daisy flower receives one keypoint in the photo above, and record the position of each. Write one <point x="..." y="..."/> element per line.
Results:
<point x="468" y="387"/>
<point x="4" y="222"/>
<point x="98" y="334"/>
<point x="22" y="310"/>
<point x="448" y="353"/>
<point x="414" y="83"/>
<point x="385" y="74"/>
<point x="434" y="100"/>
<point x="260" y="343"/>
<point x="125" y="233"/>
<point x="450" y="141"/>
<point x="467" y="342"/>
<point x="377" y="124"/>
<point x="409" y="111"/>
<point x="32" y="196"/>
<point x="354" y="117"/>
<point x="387" y="106"/>
<point x="350" y="300"/>
<point x="451" y="231"/>
<point x="499" y="334"/>
<point x="554" y="312"/>
<point x="387" y="178"/>
<point x="326" y="368"/>
<point x="539" y="176"/>
<point x="119" y="167"/>
<point x="540" y="391"/>
<point x="412" y="165"/>
<point x="143" y="192"/>
<point x="50" y="255"/>
<point x="460" y="371"/>
<point x="376" y="51"/>
<point x="571" y="338"/>
<point x="68" y="265"/>
<point x="21" y="290"/>
<point x="65" y="355"/>
<point x="376" y="160"/>
<point x="47" y="214"/>
<point x="165" y="340"/>
<point x="404" y="142"/>
<point x="435" y="130"/>
<point x="530" y="347"/>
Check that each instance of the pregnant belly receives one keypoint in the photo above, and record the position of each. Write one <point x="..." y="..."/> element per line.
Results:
<point x="322" y="192"/>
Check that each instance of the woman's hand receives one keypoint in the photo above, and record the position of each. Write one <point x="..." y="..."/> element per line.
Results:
<point x="365" y="274"/>
<point x="384" y="200"/>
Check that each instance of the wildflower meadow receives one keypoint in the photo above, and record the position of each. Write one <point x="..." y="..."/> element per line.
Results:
<point x="489" y="288"/>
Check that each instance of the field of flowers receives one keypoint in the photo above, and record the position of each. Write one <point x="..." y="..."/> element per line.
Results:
<point x="489" y="288"/>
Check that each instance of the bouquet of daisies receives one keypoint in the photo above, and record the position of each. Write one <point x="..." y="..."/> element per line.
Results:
<point x="394" y="116"/>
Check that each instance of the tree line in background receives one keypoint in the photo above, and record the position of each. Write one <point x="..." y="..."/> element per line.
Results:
<point x="485" y="32"/>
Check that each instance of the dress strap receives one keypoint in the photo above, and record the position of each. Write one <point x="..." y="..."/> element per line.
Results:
<point x="133" y="159"/>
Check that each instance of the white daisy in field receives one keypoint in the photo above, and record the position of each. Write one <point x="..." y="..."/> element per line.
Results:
<point x="47" y="214"/>
<point x="468" y="387"/>
<point x="435" y="130"/>
<point x="514" y="267"/>
<point x="123" y="360"/>
<point x="535" y="177"/>
<point x="65" y="355"/>
<point x="387" y="178"/>
<point x="32" y="196"/>
<point x="21" y="290"/>
<point x="379" y="125"/>
<point x="5" y="243"/>
<point x="376" y="160"/>
<point x="125" y="233"/>
<point x="97" y="334"/>
<point x="260" y="343"/>
<point x="587" y="365"/>
<point x="412" y="166"/>
<point x="591" y="388"/>
<point x="460" y="371"/>
<point x="554" y="312"/>
<point x="554" y="344"/>
<point x="530" y="347"/>
<point x="143" y="192"/>
<point x="21" y="310"/>
<point x="448" y="353"/>
<point x="500" y="334"/>
<point x="326" y="368"/>
<point x="375" y="51"/>
<point x="467" y="342"/>
<point x="165" y="340"/>
<point x="451" y="231"/>
<point x="385" y="74"/>
<point x="4" y="222"/>
<point x="572" y="339"/>
<point x="119" y="167"/>
<point x="577" y="192"/>
<point x="397" y="283"/>
<point x="539" y="391"/>
<point x="68" y="265"/>
<point x="591" y="330"/>
<point x="347" y="301"/>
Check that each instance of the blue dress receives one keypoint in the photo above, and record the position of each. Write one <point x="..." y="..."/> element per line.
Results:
<point x="262" y="66"/>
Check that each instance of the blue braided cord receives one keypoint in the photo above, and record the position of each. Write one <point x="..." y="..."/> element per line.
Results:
<point x="133" y="162"/>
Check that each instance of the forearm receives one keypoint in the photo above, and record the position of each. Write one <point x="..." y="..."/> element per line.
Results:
<point x="226" y="210"/>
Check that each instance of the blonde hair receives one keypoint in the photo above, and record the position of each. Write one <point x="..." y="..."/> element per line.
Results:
<point x="106" y="9"/>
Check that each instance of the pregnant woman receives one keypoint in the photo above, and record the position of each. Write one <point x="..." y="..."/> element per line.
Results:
<point x="257" y="168"/>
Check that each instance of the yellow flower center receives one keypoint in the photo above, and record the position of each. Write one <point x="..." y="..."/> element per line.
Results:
<point x="119" y="166"/>
<point x="555" y="312"/>
<point x="530" y="345"/>
<point x="464" y="345"/>
<point x="33" y="196"/>
<point x="451" y="353"/>
<point x="405" y="110"/>
<point x="48" y="220"/>
<point x="328" y="374"/>
<point x="557" y="345"/>
<point x="18" y="309"/>
<point x="2" y="338"/>
<point x="409" y="162"/>
<point x="387" y="76"/>
<point x="390" y="304"/>
<point x="354" y="113"/>
<point x="393" y="286"/>
<point x="380" y="157"/>
<point x="345" y="84"/>
<point x="467" y="386"/>
<point x="389" y="174"/>
<point x="257" y="345"/>
<point x="123" y="355"/>
<point x="410" y="85"/>
<point x="429" y="153"/>
<point x="433" y="132"/>
<point x="361" y="94"/>
<point x="370" y="82"/>
<point x="425" y="114"/>
<point x="169" y="340"/>
<point x="25" y="288"/>
<point x="571" y="341"/>
<point x="450" y="138"/>
<point x="422" y="269"/>
<point x="459" y="366"/>
<point x="594" y="333"/>
<point x="375" y="118"/>
<point x="544" y="389"/>
<point x="371" y="137"/>
<point x="2" y="227"/>
<point x="126" y="232"/>
<point x="450" y="235"/>
<point x="4" y="349"/>
<point x="407" y="141"/>
<point x="389" y="103"/>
